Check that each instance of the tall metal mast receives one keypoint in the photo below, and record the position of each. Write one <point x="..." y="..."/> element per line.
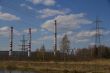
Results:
<point x="11" y="42"/>
<point x="23" y="45"/>
<point x="55" y="48"/>
<point x="98" y="33"/>
<point x="98" y="38"/>
<point x="30" y="36"/>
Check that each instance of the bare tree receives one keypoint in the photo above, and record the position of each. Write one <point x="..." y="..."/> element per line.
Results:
<point x="65" y="44"/>
<point x="42" y="51"/>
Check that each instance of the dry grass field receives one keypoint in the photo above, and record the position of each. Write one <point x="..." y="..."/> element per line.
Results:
<point x="96" y="66"/>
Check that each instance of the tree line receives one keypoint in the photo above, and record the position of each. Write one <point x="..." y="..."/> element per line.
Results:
<point x="65" y="53"/>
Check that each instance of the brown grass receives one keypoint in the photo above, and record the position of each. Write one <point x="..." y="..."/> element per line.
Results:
<point x="96" y="66"/>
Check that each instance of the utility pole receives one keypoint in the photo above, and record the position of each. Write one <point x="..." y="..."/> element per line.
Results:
<point x="29" y="49"/>
<point x="55" y="37"/>
<point x="11" y="42"/>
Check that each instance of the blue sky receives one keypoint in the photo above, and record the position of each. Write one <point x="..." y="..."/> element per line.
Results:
<point x="74" y="17"/>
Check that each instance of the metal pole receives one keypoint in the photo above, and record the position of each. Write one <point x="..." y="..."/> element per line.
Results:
<point x="55" y="49"/>
<point x="11" y="42"/>
<point x="97" y="40"/>
<point x="97" y="36"/>
<point x="29" y="50"/>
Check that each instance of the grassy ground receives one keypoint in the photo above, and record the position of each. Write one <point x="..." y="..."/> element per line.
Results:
<point x="96" y="66"/>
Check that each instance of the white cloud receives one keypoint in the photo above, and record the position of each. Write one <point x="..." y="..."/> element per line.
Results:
<point x="82" y="37"/>
<point x="8" y="16"/>
<point x="51" y="12"/>
<point x="66" y="22"/>
<point x="49" y="2"/>
<point x="44" y="2"/>
<point x="74" y="37"/>
<point x="33" y="30"/>
<point x="35" y="1"/>
<point x="27" y="6"/>
<point x="89" y="34"/>
<point x="71" y="35"/>
<point x="59" y="36"/>
<point x="22" y="5"/>
<point x="16" y="33"/>
<point x="106" y="32"/>
<point x="81" y="40"/>
<point x="5" y="31"/>
<point x="85" y="34"/>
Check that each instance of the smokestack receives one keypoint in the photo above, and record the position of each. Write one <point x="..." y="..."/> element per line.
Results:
<point x="55" y="48"/>
<point x="29" y="49"/>
<point x="11" y="42"/>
